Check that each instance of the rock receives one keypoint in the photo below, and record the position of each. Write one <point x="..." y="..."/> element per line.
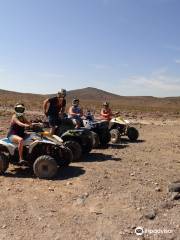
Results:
<point x="53" y="210"/>
<point x="158" y="189"/>
<point x="138" y="208"/>
<point x="86" y="195"/>
<point x="97" y="209"/>
<point x="174" y="187"/>
<point x="57" y="238"/>
<point x="69" y="183"/>
<point x="175" y="196"/>
<point x="4" y="226"/>
<point x="80" y="200"/>
<point x="150" y="214"/>
<point x="51" y="189"/>
<point x="167" y="205"/>
<point x="16" y="217"/>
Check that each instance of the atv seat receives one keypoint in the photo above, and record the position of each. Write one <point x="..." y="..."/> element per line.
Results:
<point x="6" y="140"/>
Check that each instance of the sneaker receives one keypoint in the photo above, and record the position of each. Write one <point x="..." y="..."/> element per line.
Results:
<point x="22" y="162"/>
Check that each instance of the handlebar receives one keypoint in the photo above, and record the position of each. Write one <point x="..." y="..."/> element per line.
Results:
<point x="35" y="127"/>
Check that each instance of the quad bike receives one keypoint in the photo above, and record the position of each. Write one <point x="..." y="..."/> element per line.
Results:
<point x="40" y="153"/>
<point x="80" y="141"/>
<point x="120" y="127"/>
<point x="100" y="131"/>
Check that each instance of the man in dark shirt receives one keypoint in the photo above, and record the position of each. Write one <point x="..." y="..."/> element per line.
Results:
<point x="54" y="109"/>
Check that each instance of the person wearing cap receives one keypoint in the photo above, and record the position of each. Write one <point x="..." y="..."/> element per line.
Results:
<point x="75" y="113"/>
<point x="16" y="132"/>
<point x="106" y="113"/>
<point x="54" y="109"/>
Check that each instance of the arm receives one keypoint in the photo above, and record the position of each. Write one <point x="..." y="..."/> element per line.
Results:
<point x="71" y="112"/>
<point x="81" y="113"/>
<point x="26" y="121"/>
<point x="14" y="119"/>
<point x="104" y="114"/>
<point x="46" y="106"/>
<point x="63" y="106"/>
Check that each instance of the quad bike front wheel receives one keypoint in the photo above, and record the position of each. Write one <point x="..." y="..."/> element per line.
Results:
<point x="95" y="138"/>
<point x="76" y="149"/>
<point x="132" y="134"/>
<point x="66" y="157"/>
<point x="45" y="167"/>
<point x="115" y="136"/>
<point x="4" y="164"/>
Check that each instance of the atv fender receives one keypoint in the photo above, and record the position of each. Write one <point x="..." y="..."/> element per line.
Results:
<point x="36" y="142"/>
<point x="6" y="143"/>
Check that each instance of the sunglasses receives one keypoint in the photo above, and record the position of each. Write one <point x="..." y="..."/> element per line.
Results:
<point x="20" y="109"/>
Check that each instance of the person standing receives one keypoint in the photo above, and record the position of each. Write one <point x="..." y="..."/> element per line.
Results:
<point x="54" y="109"/>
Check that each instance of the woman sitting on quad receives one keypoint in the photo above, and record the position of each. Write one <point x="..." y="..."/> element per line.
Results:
<point x="16" y="132"/>
<point x="106" y="113"/>
<point x="75" y="113"/>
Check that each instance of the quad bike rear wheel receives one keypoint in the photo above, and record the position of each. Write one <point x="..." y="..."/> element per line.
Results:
<point x="115" y="136"/>
<point x="4" y="164"/>
<point x="45" y="167"/>
<point x="76" y="149"/>
<point x="132" y="134"/>
<point x="104" y="138"/>
<point x="86" y="148"/>
<point x="67" y="157"/>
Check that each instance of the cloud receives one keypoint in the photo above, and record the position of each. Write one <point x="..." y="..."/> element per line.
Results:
<point x="2" y="69"/>
<point x="172" y="47"/>
<point x="105" y="2"/>
<point x="177" y="61"/>
<point x="123" y="65"/>
<point x="101" y="66"/>
<point x="51" y="75"/>
<point x="158" y="82"/>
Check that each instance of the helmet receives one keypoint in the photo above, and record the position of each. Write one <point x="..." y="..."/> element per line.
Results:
<point x="19" y="109"/>
<point x="75" y="101"/>
<point x="105" y="104"/>
<point x="62" y="93"/>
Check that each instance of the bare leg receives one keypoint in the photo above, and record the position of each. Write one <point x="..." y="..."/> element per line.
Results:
<point x="78" y="125"/>
<point x="52" y="130"/>
<point x="18" y="140"/>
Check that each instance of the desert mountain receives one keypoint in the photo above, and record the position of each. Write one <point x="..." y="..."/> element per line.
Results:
<point x="93" y="98"/>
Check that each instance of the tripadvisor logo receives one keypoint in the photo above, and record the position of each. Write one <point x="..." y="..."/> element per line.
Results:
<point x="139" y="231"/>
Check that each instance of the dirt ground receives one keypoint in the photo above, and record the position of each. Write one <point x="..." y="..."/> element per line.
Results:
<point x="104" y="197"/>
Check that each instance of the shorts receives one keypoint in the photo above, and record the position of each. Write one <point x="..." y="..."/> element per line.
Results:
<point x="11" y="137"/>
<point x="54" y="121"/>
<point x="76" y="120"/>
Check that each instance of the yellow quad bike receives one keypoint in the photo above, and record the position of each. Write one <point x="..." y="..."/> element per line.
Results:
<point x="120" y="127"/>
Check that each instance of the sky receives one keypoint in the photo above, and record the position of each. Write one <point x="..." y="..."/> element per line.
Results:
<point x="127" y="47"/>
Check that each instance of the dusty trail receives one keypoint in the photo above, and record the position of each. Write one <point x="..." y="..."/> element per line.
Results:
<point x="105" y="197"/>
